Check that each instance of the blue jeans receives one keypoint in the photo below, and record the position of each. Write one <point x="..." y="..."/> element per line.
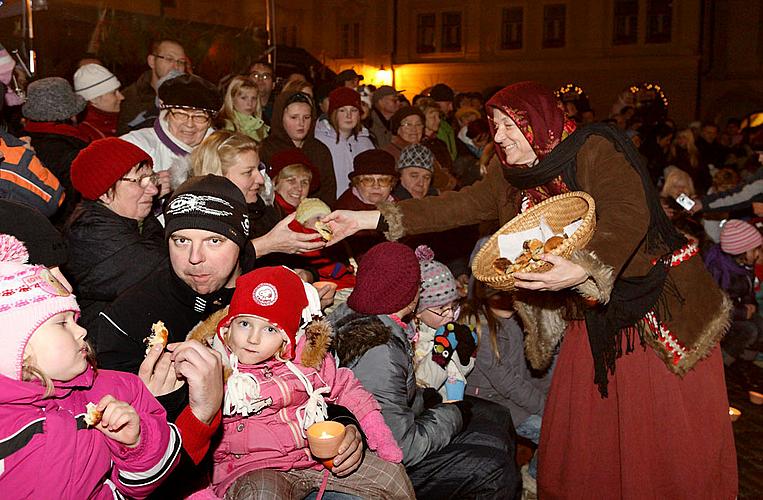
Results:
<point x="530" y="429"/>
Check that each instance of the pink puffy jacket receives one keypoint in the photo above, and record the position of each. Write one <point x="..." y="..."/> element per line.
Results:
<point x="46" y="450"/>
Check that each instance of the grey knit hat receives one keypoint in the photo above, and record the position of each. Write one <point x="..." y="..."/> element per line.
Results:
<point x="51" y="99"/>
<point x="416" y="155"/>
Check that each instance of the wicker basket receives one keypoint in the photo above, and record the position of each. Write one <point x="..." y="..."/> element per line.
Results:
<point x="558" y="212"/>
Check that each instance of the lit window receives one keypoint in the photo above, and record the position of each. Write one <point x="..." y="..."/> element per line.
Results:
<point x="350" y="41"/>
<point x="659" y="20"/>
<point x="451" y="32"/>
<point x="625" y="22"/>
<point x="554" y="20"/>
<point x="425" y="33"/>
<point x="511" y="28"/>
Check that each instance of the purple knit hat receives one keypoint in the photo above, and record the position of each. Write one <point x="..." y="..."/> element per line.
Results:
<point x="29" y="296"/>
<point x="387" y="281"/>
<point x="438" y="286"/>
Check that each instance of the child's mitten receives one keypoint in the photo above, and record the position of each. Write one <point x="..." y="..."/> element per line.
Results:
<point x="466" y="342"/>
<point x="444" y="345"/>
<point x="380" y="438"/>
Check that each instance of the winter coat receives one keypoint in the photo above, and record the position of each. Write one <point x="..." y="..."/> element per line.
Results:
<point x="507" y="380"/>
<point x="314" y="149"/>
<point x="272" y="438"/>
<point x="442" y="180"/>
<point x="108" y="254"/>
<point x="49" y="452"/>
<point x="699" y="311"/>
<point x="139" y="97"/>
<point x="98" y="124"/>
<point x="343" y="152"/>
<point x="380" y="355"/>
<point x="739" y="285"/>
<point x="24" y="179"/>
<point x="57" y="145"/>
<point x="379" y="129"/>
<point x="167" y="152"/>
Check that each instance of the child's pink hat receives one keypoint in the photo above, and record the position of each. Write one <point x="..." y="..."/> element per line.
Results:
<point x="29" y="296"/>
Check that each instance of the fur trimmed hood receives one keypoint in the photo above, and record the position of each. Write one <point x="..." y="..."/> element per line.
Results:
<point x="357" y="333"/>
<point x="311" y="347"/>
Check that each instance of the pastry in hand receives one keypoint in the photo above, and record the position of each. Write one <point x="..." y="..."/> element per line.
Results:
<point x="92" y="415"/>
<point x="159" y="336"/>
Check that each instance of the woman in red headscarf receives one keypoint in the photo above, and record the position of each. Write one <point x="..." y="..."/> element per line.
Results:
<point x="638" y="405"/>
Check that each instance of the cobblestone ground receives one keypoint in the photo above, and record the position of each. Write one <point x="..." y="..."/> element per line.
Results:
<point x="748" y="430"/>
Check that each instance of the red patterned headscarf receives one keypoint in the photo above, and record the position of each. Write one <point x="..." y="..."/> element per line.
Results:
<point x="540" y="116"/>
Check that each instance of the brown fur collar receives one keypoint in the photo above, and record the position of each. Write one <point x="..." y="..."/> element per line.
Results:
<point x="601" y="281"/>
<point x="394" y="218"/>
<point x="356" y="334"/>
<point x="317" y="338"/>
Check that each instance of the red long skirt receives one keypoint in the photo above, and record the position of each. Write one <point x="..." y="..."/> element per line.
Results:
<point x="656" y="436"/>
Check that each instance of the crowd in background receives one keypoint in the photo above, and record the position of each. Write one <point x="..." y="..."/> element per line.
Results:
<point x="131" y="189"/>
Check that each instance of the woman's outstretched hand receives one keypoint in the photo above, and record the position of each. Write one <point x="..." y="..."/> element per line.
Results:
<point x="344" y="223"/>
<point x="564" y="274"/>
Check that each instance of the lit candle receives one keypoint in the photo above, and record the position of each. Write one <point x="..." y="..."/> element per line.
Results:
<point x="756" y="398"/>
<point x="734" y="414"/>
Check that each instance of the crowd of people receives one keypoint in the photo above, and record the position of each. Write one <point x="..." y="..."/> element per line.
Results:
<point x="204" y="208"/>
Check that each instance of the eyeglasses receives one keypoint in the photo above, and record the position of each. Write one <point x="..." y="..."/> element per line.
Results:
<point x="451" y="311"/>
<point x="412" y="125"/>
<point x="261" y="76"/>
<point x="175" y="62"/>
<point x="182" y="116"/>
<point x="144" y="180"/>
<point x="376" y="181"/>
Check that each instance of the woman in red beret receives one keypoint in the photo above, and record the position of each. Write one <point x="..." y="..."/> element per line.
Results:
<point x="114" y="239"/>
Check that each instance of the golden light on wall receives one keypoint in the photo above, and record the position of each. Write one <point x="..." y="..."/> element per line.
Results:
<point x="382" y="76"/>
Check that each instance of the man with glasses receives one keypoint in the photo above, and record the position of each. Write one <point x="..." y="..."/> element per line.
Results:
<point x="262" y="74"/>
<point x="188" y="105"/>
<point x="163" y="56"/>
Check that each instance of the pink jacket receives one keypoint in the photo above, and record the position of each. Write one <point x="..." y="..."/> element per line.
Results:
<point x="272" y="438"/>
<point x="46" y="450"/>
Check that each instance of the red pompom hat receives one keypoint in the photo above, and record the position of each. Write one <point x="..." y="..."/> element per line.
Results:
<point x="274" y="294"/>
<point x="101" y="164"/>
<point x="343" y="96"/>
<point x="388" y="279"/>
<point x="293" y="156"/>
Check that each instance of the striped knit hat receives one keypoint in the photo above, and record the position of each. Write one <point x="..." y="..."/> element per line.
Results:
<point x="738" y="236"/>
<point x="438" y="286"/>
<point x="29" y="296"/>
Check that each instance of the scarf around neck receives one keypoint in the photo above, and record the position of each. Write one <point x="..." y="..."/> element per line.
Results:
<point x="539" y="115"/>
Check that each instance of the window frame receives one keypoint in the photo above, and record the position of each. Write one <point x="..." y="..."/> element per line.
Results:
<point x="561" y="41"/>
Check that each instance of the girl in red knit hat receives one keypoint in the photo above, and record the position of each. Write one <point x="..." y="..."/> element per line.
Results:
<point x="282" y="378"/>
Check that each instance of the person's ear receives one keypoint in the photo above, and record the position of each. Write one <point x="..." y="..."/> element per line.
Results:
<point x="151" y="61"/>
<point x="107" y="197"/>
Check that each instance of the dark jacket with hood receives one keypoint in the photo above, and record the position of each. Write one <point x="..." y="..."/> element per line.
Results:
<point x="108" y="254"/>
<point x="314" y="149"/>
<point x="380" y="355"/>
<point x="139" y="97"/>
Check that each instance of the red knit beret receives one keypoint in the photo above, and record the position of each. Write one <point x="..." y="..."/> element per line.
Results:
<point x="374" y="162"/>
<point x="102" y="163"/>
<point x="388" y="279"/>
<point x="293" y="156"/>
<point x="343" y="96"/>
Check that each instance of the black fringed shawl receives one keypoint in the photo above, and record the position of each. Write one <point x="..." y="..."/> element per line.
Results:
<point x="631" y="297"/>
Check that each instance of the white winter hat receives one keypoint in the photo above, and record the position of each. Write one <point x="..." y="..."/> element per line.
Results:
<point x="93" y="80"/>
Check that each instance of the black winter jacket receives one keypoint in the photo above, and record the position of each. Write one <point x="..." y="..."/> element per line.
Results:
<point x="108" y="254"/>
